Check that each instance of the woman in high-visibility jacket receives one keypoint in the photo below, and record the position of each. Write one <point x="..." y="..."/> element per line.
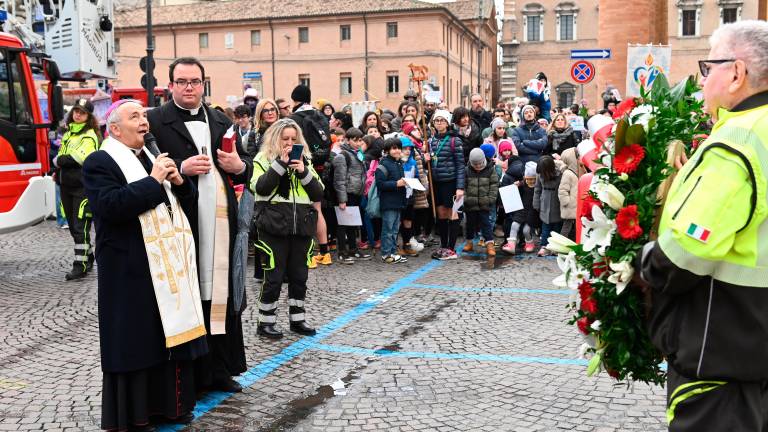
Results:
<point x="80" y="140"/>
<point x="286" y="222"/>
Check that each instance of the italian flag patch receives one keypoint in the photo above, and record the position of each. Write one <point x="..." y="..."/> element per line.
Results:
<point x="699" y="233"/>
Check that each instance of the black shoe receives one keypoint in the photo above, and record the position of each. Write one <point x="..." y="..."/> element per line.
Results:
<point x="302" y="328"/>
<point x="77" y="272"/>
<point x="226" y="385"/>
<point x="362" y="256"/>
<point x="269" y="330"/>
<point x="188" y="417"/>
<point x="345" y="259"/>
<point x="142" y="428"/>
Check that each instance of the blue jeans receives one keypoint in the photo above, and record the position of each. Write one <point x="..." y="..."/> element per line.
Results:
<point x="547" y="229"/>
<point x="390" y="226"/>
<point x="479" y="221"/>
<point x="60" y="219"/>
<point x="367" y="224"/>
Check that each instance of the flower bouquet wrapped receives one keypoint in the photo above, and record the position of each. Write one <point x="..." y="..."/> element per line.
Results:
<point x="635" y="164"/>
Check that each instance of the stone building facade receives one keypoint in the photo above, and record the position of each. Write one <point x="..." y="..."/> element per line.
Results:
<point x="345" y="50"/>
<point x="538" y="35"/>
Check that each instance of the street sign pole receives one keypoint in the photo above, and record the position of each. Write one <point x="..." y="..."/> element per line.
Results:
<point x="150" y="60"/>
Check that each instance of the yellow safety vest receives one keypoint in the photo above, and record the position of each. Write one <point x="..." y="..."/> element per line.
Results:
<point x="78" y="145"/>
<point x="714" y="222"/>
<point x="297" y="193"/>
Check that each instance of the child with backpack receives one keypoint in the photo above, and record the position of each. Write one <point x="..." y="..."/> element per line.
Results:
<point x="482" y="188"/>
<point x="392" y="198"/>
<point x="568" y="192"/>
<point x="349" y="185"/>
<point x="546" y="200"/>
<point x="412" y="169"/>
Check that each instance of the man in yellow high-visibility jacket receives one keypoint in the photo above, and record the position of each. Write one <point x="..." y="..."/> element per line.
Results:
<point x="708" y="271"/>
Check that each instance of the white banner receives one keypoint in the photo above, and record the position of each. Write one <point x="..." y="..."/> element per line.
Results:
<point x="644" y="64"/>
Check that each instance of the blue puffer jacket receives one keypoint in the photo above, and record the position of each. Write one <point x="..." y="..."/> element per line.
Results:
<point x="530" y="140"/>
<point x="542" y="101"/>
<point x="448" y="162"/>
<point x="391" y="197"/>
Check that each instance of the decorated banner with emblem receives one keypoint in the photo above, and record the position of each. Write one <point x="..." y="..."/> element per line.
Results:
<point x="644" y="64"/>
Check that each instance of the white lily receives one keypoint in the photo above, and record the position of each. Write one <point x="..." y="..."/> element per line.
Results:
<point x="571" y="274"/>
<point x="598" y="232"/>
<point x="595" y="326"/>
<point x="623" y="272"/>
<point x="560" y="244"/>
<point x="607" y="193"/>
<point x="644" y="115"/>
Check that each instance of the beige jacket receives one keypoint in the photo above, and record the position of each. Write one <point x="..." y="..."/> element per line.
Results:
<point x="569" y="185"/>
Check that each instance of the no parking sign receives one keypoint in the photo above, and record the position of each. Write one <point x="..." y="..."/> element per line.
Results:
<point x="582" y="72"/>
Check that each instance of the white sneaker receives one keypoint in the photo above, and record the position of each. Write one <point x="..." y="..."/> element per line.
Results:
<point x="415" y="245"/>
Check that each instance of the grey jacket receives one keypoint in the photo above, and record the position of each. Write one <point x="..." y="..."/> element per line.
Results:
<point x="546" y="200"/>
<point x="348" y="179"/>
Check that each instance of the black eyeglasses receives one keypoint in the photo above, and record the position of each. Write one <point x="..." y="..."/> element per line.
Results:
<point x="284" y="107"/>
<point x="269" y="110"/>
<point x="184" y="83"/>
<point x="706" y="65"/>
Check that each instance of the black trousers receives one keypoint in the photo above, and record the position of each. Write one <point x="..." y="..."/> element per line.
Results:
<point x="281" y="256"/>
<point x="79" y="217"/>
<point x="715" y="405"/>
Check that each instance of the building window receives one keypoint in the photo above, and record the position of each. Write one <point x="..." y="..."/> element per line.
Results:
<point x="345" y="32"/>
<point x="566" y="28"/>
<point x="303" y="34"/>
<point x="533" y="22"/>
<point x="229" y="40"/>
<point x="393" y="82"/>
<point x="202" y="40"/>
<point x="117" y="45"/>
<point x="304" y="79"/>
<point x="255" y="37"/>
<point x="207" y="87"/>
<point x="533" y="32"/>
<point x="391" y="30"/>
<point x="345" y="83"/>
<point x="566" y="94"/>
<point x="730" y="15"/>
<point x="689" y="23"/>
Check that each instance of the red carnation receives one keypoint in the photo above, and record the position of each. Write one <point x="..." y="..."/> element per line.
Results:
<point x="627" y="223"/>
<point x="583" y="324"/>
<point x="599" y="267"/>
<point x="613" y="373"/>
<point x="585" y="290"/>
<point x="698" y="139"/>
<point x="624" y="107"/>
<point x="589" y="306"/>
<point x="589" y="202"/>
<point x="628" y="158"/>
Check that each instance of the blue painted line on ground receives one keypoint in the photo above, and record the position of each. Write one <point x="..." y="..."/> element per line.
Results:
<point x="490" y="289"/>
<point x="450" y="356"/>
<point x="251" y="376"/>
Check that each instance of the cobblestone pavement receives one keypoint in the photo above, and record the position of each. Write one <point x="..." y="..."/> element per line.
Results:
<point x="460" y="345"/>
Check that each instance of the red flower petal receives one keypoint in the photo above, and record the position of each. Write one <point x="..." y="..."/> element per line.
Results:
<point x="628" y="223"/>
<point x="599" y="267"/>
<point x="588" y="203"/>
<point x="583" y="324"/>
<point x="625" y="107"/>
<point x="585" y="290"/>
<point x="589" y="306"/>
<point x="628" y="158"/>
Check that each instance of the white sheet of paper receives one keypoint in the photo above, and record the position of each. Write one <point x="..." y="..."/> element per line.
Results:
<point x="510" y="198"/>
<point x="458" y="204"/>
<point x="348" y="217"/>
<point x="415" y="184"/>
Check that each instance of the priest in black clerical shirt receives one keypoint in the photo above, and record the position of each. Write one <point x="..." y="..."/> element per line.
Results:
<point x="192" y="135"/>
<point x="151" y="326"/>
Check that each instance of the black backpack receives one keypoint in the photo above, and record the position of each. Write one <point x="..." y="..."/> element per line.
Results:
<point x="326" y="176"/>
<point x="316" y="131"/>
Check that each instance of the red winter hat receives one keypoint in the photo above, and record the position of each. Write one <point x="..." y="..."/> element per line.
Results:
<point x="408" y="128"/>
<point x="504" y="145"/>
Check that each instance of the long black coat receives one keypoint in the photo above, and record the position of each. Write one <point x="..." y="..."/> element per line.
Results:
<point x="130" y="331"/>
<point x="174" y="138"/>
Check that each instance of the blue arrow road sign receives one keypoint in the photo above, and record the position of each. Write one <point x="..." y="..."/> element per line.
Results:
<point x="251" y="75"/>
<point x="3" y="15"/>
<point x="598" y="53"/>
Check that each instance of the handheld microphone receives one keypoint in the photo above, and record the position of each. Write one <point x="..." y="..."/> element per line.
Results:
<point x="151" y="144"/>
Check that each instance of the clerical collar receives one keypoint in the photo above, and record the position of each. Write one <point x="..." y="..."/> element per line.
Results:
<point x="195" y="114"/>
<point x="137" y="152"/>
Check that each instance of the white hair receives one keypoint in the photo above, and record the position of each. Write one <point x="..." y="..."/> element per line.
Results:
<point x="114" y="114"/>
<point x="748" y="40"/>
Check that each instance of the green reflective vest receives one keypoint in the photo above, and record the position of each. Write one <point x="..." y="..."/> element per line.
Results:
<point x="78" y="145"/>
<point x="297" y="195"/>
<point x="714" y="220"/>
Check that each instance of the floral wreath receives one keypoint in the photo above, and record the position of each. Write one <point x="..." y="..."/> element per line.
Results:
<point x="619" y="215"/>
